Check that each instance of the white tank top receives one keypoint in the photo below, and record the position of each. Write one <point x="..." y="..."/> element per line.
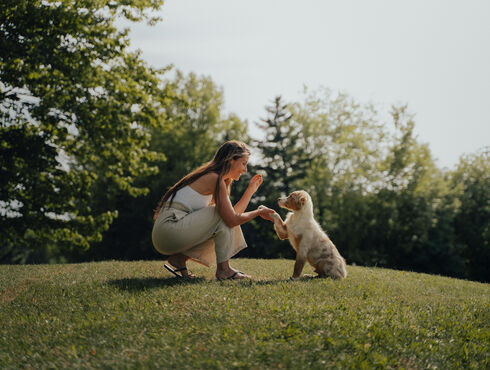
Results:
<point x="191" y="198"/>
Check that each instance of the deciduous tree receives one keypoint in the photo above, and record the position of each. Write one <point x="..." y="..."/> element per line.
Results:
<point x="75" y="111"/>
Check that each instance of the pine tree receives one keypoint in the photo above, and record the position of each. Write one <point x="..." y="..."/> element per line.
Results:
<point x="284" y="159"/>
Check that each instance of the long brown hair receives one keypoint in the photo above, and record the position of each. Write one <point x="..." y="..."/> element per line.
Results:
<point x="220" y="164"/>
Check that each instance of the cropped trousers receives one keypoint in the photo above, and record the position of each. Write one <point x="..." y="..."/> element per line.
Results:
<point x="201" y="235"/>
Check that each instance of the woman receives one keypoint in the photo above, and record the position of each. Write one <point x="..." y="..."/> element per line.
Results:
<point x="196" y="220"/>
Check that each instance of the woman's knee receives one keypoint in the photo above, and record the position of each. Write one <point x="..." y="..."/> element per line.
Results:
<point x="224" y="228"/>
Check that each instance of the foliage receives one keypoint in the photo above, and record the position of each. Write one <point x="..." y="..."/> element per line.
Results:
<point x="137" y="315"/>
<point x="283" y="154"/>
<point x="471" y="180"/>
<point x="75" y="109"/>
<point x="345" y="141"/>
<point x="403" y="210"/>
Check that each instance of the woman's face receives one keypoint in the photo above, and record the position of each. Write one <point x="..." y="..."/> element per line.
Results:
<point x="238" y="166"/>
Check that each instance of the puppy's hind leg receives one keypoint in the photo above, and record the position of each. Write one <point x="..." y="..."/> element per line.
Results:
<point x="320" y="269"/>
<point x="331" y="267"/>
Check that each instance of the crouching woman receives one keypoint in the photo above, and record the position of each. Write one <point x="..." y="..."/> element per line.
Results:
<point x="196" y="220"/>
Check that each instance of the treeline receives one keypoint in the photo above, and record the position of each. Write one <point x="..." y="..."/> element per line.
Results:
<point x="91" y="137"/>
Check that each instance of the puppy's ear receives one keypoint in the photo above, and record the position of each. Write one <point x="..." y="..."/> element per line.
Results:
<point x="302" y="201"/>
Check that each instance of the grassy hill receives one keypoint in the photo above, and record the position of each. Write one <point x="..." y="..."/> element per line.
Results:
<point x="135" y="314"/>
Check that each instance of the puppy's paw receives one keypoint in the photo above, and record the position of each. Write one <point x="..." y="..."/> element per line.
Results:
<point x="275" y="216"/>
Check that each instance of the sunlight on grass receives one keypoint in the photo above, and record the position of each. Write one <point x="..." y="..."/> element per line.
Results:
<point x="135" y="314"/>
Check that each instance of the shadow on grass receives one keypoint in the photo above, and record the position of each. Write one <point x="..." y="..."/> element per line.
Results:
<point x="252" y="283"/>
<point x="287" y="280"/>
<point x="138" y="284"/>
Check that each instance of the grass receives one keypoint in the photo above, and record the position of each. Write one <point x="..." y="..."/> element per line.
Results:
<point x="135" y="315"/>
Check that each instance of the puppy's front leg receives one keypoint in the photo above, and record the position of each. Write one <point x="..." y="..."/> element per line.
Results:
<point x="298" y="266"/>
<point x="280" y="226"/>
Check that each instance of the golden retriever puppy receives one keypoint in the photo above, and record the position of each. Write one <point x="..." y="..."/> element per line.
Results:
<point x="309" y="241"/>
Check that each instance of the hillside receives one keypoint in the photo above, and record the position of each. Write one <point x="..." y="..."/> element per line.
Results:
<point x="135" y="314"/>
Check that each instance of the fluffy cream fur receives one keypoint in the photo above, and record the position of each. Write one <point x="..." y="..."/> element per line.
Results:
<point x="309" y="241"/>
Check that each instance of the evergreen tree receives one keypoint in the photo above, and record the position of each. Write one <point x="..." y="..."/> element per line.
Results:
<point x="283" y="155"/>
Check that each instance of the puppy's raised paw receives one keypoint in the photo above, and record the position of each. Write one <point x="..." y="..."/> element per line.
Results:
<point x="276" y="216"/>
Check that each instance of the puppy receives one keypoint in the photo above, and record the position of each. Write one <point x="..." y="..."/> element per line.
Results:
<point x="309" y="241"/>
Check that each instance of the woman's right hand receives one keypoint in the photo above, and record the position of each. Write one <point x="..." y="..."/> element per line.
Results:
<point x="255" y="182"/>
<point x="266" y="213"/>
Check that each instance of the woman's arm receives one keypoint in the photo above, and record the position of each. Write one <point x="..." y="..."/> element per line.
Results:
<point x="229" y="214"/>
<point x="242" y="204"/>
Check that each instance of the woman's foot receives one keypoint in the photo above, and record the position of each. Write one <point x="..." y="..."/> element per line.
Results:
<point x="231" y="274"/>
<point x="224" y="271"/>
<point x="178" y="261"/>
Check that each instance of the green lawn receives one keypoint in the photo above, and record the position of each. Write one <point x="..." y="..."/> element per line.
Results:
<point x="135" y="314"/>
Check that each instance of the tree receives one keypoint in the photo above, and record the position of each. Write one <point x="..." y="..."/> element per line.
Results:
<point x="283" y="157"/>
<point x="75" y="112"/>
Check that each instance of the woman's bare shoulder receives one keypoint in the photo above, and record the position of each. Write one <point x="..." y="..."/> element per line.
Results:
<point x="210" y="177"/>
<point x="206" y="183"/>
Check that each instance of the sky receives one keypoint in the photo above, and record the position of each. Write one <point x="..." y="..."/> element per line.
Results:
<point x="433" y="55"/>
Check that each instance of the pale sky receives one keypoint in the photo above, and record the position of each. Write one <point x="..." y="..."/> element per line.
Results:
<point x="433" y="55"/>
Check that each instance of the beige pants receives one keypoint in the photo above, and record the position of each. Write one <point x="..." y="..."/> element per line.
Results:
<point x="201" y="235"/>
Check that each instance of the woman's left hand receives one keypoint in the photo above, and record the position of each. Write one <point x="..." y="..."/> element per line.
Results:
<point x="255" y="183"/>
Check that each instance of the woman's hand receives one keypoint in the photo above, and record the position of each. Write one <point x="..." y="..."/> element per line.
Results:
<point x="266" y="213"/>
<point x="255" y="183"/>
